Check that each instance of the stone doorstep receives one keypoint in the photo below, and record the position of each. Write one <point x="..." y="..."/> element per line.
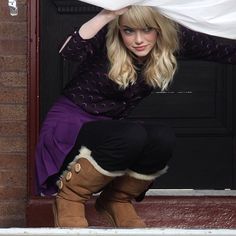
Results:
<point x="112" y="232"/>
<point x="182" y="212"/>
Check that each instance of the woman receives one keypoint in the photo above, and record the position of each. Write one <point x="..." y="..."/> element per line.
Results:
<point x="122" y="56"/>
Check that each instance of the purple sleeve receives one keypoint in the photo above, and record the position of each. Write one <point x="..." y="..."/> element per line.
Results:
<point x="195" y="45"/>
<point x="78" y="49"/>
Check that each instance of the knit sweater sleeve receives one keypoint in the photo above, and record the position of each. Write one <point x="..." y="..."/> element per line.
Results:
<point x="196" y="45"/>
<point x="78" y="49"/>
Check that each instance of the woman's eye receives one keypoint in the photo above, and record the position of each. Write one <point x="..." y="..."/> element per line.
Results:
<point x="148" y="29"/>
<point x="128" y="31"/>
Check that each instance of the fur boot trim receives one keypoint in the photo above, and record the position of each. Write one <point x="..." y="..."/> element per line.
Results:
<point x="84" y="152"/>
<point x="147" y="177"/>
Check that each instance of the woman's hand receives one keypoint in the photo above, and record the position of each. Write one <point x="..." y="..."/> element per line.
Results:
<point x="121" y="11"/>
<point x="113" y="14"/>
<point x="91" y="27"/>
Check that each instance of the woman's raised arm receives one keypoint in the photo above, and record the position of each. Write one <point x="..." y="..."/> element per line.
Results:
<point x="91" y="27"/>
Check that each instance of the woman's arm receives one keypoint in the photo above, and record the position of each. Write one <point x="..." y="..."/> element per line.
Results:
<point x="90" y="37"/>
<point x="195" y="45"/>
<point x="90" y="28"/>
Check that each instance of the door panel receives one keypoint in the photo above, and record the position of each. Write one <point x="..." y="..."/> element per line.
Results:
<point x="199" y="105"/>
<point x="200" y="163"/>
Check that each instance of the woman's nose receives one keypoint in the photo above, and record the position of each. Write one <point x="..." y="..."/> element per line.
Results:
<point x="138" y="37"/>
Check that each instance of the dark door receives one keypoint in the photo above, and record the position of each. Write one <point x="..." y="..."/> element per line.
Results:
<point x="200" y="104"/>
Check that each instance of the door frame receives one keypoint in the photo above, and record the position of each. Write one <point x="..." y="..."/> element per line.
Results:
<point x="36" y="202"/>
<point x="32" y="90"/>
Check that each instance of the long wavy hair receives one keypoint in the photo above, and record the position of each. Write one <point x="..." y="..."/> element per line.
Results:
<point x="160" y="65"/>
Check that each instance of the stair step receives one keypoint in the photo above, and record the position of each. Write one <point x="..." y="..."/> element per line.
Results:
<point x="206" y="212"/>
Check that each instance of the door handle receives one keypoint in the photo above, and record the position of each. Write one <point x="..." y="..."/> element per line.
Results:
<point x="12" y="4"/>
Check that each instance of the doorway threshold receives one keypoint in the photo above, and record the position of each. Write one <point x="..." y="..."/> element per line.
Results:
<point x="117" y="232"/>
<point x="191" y="192"/>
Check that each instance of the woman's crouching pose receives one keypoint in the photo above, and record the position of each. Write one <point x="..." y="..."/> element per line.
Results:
<point x="86" y="145"/>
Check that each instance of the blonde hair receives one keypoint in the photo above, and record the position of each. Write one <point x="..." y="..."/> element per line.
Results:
<point x="160" y="65"/>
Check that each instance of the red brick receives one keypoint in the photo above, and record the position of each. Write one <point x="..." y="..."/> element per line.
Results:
<point x="12" y="112"/>
<point x="13" y="47"/>
<point x="12" y="95"/>
<point x="13" y="30"/>
<point x="12" y="208"/>
<point x="12" y="193"/>
<point x="4" y="3"/>
<point x="13" y="79"/>
<point x="13" y="178"/>
<point x="22" y="1"/>
<point x="5" y="13"/>
<point x="13" y="63"/>
<point x="13" y="128"/>
<point x="10" y="144"/>
<point x="12" y="221"/>
<point x="11" y="161"/>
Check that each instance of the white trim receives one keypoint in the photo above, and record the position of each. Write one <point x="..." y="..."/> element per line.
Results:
<point x="85" y="153"/>
<point x="147" y="177"/>
<point x="117" y="232"/>
<point x="190" y="192"/>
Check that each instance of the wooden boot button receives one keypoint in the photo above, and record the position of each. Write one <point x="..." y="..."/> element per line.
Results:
<point x="68" y="176"/>
<point x="77" y="168"/>
<point x="60" y="184"/>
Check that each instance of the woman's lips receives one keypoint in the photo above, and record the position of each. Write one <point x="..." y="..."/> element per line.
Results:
<point x="140" y="48"/>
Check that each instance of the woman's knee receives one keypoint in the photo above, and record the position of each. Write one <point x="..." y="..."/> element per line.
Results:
<point x="134" y="135"/>
<point x="123" y="137"/>
<point x="163" y="137"/>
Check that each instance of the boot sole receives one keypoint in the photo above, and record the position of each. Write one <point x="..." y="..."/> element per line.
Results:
<point x="102" y="211"/>
<point x="56" y="222"/>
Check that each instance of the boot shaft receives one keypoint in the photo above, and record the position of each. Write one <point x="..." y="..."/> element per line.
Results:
<point x="125" y="188"/>
<point x="115" y="201"/>
<point x="81" y="181"/>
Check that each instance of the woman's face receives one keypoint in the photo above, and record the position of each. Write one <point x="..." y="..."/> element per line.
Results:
<point x="138" y="41"/>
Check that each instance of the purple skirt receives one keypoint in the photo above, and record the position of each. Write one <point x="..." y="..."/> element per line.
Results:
<point x="57" y="137"/>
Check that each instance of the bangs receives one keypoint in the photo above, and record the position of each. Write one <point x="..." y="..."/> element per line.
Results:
<point x="140" y="17"/>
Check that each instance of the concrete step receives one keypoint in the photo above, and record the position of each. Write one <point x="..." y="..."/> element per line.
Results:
<point x="189" y="212"/>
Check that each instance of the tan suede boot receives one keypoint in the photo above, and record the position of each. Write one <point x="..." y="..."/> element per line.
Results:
<point x="76" y="186"/>
<point x="115" y="201"/>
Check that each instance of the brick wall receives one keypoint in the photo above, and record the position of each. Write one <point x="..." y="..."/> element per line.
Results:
<point x="13" y="109"/>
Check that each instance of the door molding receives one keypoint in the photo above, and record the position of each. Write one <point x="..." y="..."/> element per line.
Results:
<point x="38" y="207"/>
<point x="32" y="90"/>
<point x="72" y="6"/>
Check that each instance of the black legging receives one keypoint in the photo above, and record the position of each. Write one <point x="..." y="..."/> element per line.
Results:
<point x="117" y="145"/>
